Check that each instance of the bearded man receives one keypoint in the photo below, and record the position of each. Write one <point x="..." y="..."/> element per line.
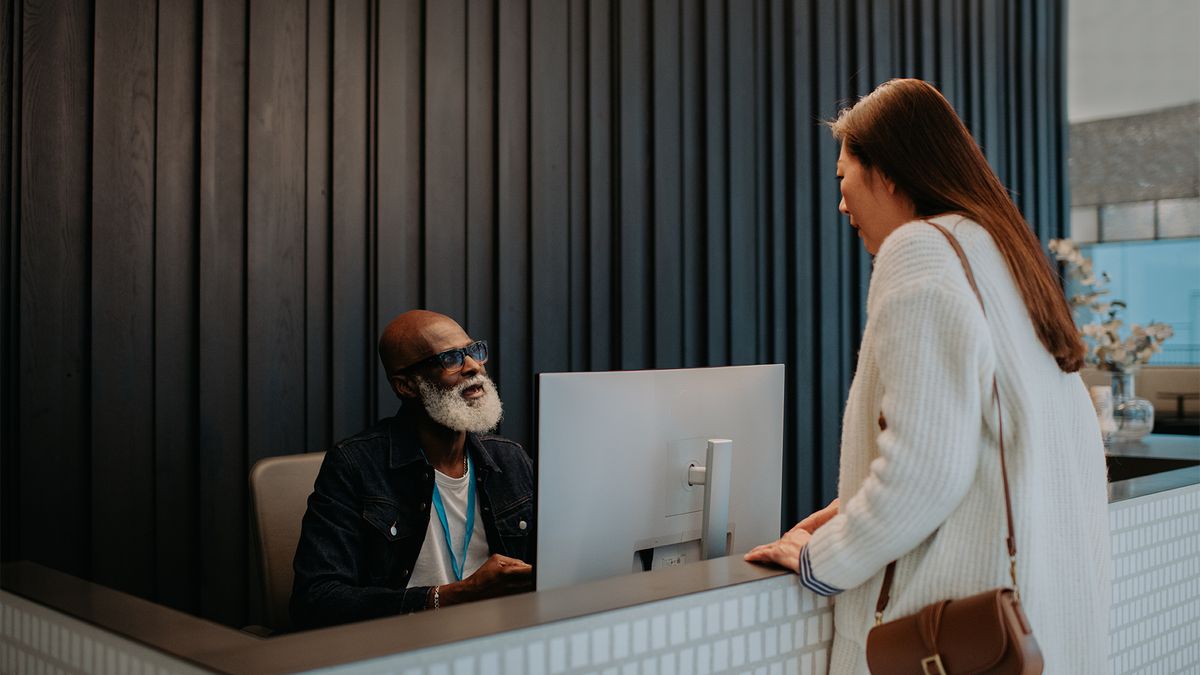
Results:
<point x="425" y="509"/>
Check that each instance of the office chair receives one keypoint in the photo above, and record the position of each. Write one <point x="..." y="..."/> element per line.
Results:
<point x="279" y="490"/>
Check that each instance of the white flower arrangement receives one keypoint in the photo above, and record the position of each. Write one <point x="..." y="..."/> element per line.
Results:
<point x="1107" y="350"/>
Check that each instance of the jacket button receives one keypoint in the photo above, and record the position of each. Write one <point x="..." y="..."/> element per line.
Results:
<point x="423" y="506"/>
<point x="487" y="508"/>
<point x="522" y="525"/>
<point x="404" y="573"/>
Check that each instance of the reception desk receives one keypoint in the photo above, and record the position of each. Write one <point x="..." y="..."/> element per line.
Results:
<point x="713" y="617"/>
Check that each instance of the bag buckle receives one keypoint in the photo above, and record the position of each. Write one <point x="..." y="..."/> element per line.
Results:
<point x="932" y="665"/>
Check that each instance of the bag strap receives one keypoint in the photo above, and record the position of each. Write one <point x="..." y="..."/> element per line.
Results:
<point x="885" y="590"/>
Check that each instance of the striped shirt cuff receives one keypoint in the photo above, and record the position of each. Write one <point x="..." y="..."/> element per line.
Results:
<point x="811" y="582"/>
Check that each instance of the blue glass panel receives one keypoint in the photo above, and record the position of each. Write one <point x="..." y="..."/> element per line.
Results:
<point x="1160" y="281"/>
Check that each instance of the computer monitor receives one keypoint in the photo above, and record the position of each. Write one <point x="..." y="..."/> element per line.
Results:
<point x="613" y="455"/>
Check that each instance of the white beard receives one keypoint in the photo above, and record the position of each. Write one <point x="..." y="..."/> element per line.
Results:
<point x="448" y="408"/>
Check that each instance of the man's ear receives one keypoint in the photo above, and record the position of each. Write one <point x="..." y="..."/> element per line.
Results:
<point x="404" y="385"/>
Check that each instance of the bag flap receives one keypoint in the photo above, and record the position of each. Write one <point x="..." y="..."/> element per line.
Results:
<point x="972" y="637"/>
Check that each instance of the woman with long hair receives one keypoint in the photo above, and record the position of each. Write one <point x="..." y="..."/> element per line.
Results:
<point x="920" y="476"/>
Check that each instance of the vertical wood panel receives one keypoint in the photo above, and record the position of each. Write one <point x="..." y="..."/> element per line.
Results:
<point x="974" y="80"/>
<point x="578" y="305"/>
<point x="1022" y="73"/>
<point x="694" y="325"/>
<point x="804" y="441"/>
<point x="123" y="296"/>
<point x="847" y="250"/>
<point x="667" y="188"/>
<point x="779" y="145"/>
<point x="480" y="318"/>
<point x="445" y="158"/>
<point x="743" y="259"/>
<point x="1059" y="122"/>
<point x="949" y="66"/>
<point x="275" y="228"/>
<point x="400" y="185"/>
<point x="353" y="358"/>
<point x="910" y="46"/>
<point x="883" y="41"/>
<point x="717" y="170"/>
<point x="928" y="47"/>
<point x="1040" y="105"/>
<point x="828" y="264"/>
<point x="55" y="307"/>
<point x="222" y="310"/>
<point x="997" y="92"/>
<point x="635" y="153"/>
<point x="601" y="183"/>
<point x="176" y="230"/>
<point x="373" y="369"/>
<point x="513" y="219"/>
<point x="762" y="179"/>
<point x="1008" y="140"/>
<point x="317" y="233"/>
<point x="10" y="97"/>
<point x="550" y="203"/>
<point x="862" y="80"/>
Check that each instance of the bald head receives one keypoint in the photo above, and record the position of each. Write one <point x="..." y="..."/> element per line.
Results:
<point x="416" y="335"/>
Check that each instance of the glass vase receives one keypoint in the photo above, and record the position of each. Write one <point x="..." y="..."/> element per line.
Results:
<point x="1134" y="417"/>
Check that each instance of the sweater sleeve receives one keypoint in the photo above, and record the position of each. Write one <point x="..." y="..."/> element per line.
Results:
<point x="934" y="355"/>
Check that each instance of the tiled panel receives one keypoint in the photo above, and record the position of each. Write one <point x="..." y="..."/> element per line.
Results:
<point x="1156" y="583"/>
<point x="1179" y="217"/>
<point x="34" y="639"/>
<point x="768" y="627"/>
<point x="1133" y="220"/>
<point x="1085" y="224"/>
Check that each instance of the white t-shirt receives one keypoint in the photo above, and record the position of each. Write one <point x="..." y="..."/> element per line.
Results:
<point x="433" y="566"/>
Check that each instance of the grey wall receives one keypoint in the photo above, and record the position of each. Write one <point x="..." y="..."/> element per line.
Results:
<point x="1125" y="58"/>
<point x="213" y="206"/>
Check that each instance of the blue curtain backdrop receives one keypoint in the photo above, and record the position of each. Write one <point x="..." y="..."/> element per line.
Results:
<point x="214" y="206"/>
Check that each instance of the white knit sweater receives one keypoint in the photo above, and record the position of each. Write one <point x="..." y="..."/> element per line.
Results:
<point x="927" y="491"/>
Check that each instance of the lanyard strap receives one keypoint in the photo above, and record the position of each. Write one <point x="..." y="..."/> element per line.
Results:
<point x="440" y="507"/>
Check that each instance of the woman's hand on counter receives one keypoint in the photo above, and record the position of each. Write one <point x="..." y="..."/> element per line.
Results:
<point x="816" y="520"/>
<point x="786" y="551"/>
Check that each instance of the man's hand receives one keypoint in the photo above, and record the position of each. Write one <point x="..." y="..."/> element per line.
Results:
<point x="785" y="552"/>
<point x="816" y="520"/>
<point x="500" y="575"/>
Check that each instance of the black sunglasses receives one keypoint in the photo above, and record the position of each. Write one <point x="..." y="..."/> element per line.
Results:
<point x="452" y="360"/>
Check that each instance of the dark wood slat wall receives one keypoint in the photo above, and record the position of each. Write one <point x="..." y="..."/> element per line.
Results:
<point x="122" y="285"/>
<point x="9" y="301"/>
<point x="222" y="308"/>
<point x="215" y="205"/>
<point x="176" y="505"/>
<point x="52" y="195"/>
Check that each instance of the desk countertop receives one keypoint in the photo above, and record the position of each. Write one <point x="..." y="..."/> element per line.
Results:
<point x="1156" y="446"/>
<point x="222" y="649"/>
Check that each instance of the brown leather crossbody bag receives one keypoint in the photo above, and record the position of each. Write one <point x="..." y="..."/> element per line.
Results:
<point x="986" y="633"/>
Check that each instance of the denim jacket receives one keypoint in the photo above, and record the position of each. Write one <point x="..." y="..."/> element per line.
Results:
<point x="351" y="565"/>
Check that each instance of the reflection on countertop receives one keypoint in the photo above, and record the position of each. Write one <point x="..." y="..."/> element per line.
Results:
<point x="1157" y="463"/>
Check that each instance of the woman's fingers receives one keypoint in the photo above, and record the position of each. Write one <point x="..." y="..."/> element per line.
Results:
<point x="759" y="553"/>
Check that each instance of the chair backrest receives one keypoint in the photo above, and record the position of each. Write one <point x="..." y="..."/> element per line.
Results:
<point x="279" y="490"/>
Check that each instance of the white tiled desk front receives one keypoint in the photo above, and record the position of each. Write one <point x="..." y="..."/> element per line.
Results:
<point x="751" y="621"/>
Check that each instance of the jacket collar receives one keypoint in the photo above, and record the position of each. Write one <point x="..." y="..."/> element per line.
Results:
<point x="403" y="448"/>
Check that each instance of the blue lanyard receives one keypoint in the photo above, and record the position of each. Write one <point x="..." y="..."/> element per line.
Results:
<point x="441" y="512"/>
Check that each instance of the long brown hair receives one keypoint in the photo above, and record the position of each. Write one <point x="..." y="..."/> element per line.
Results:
<point x="910" y="132"/>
